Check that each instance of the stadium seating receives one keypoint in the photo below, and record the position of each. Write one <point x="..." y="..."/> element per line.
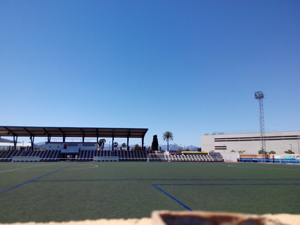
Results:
<point x="5" y="155"/>
<point x="124" y="155"/>
<point x="217" y="156"/>
<point x="52" y="155"/>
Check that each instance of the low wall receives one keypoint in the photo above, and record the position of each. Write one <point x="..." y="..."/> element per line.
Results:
<point x="106" y="158"/>
<point x="25" y="159"/>
<point x="273" y="158"/>
<point x="230" y="156"/>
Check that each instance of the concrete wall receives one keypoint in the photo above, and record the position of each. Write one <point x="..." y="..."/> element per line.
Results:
<point x="275" y="141"/>
<point x="71" y="146"/>
<point x="230" y="157"/>
<point x="53" y="146"/>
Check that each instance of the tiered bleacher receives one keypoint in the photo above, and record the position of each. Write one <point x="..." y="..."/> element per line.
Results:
<point x="88" y="155"/>
<point x="217" y="156"/>
<point x="131" y="155"/>
<point x="7" y="155"/>
<point x="191" y="157"/>
<point x="121" y="155"/>
<point x="141" y="155"/>
<point x="52" y="155"/>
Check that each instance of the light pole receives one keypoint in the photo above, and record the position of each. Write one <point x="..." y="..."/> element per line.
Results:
<point x="260" y="96"/>
<point x="298" y="148"/>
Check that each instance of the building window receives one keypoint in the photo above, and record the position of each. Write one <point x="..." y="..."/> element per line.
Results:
<point x="221" y="147"/>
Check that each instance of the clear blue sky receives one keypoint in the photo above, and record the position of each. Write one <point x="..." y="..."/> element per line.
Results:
<point x="189" y="67"/>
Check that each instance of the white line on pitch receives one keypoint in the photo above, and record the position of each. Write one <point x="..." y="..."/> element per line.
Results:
<point x="4" y="171"/>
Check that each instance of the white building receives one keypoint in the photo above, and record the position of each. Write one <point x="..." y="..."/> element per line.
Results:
<point x="251" y="142"/>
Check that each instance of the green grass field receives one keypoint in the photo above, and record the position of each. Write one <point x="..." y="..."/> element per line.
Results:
<point x="64" y="191"/>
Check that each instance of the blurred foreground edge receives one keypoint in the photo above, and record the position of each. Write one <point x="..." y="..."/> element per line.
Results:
<point x="209" y="218"/>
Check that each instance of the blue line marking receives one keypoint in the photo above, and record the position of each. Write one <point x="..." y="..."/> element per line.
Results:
<point x="155" y="185"/>
<point x="35" y="179"/>
<point x="161" y="180"/>
<point x="173" y="198"/>
<point x="236" y="184"/>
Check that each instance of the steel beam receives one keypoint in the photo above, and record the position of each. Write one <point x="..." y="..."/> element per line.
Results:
<point x="15" y="142"/>
<point x="32" y="141"/>
<point x="128" y="143"/>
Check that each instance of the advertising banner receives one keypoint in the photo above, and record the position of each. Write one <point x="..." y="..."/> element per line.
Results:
<point x="289" y="157"/>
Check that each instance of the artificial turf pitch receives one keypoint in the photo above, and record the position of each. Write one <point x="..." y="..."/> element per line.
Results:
<point x="64" y="191"/>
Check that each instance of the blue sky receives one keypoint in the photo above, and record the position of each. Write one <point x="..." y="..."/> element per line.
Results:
<point x="189" y="67"/>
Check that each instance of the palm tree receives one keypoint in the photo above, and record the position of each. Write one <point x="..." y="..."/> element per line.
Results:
<point x="116" y="144"/>
<point x="101" y="143"/>
<point x="168" y="135"/>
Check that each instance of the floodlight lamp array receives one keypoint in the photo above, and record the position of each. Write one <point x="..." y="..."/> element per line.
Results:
<point x="259" y="95"/>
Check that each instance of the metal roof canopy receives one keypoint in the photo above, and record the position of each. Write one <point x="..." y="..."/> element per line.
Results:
<point x="83" y="132"/>
<point x="20" y="131"/>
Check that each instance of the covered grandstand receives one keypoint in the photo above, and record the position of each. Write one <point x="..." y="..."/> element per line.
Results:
<point x="65" y="149"/>
<point x="87" y="151"/>
<point x="74" y="132"/>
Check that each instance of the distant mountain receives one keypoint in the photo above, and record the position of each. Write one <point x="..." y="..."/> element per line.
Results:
<point x="174" y="147"/>
<point x="6" y="140"/>
<point x="39" y="144"/>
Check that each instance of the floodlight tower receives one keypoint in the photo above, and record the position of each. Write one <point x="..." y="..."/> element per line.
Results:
<point x="259" y="95"/>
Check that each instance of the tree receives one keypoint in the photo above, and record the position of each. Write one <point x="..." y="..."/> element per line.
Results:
<point x="262" y="152"/>
<point x="199" y="150"/>
<point x="241" y="151"/>
<point x="167" y="136"/>
<point x="101" y="143"/>
<point x="179" y="150"/>
<point x="154" y="143"/>
<point x="289" y="152"/>
<point x="272" y="152"/>
<point x="124" y="145"/>
<point x="136" y="147"/>
<point x="232" y="151"/>
<point x="116" y="144"/>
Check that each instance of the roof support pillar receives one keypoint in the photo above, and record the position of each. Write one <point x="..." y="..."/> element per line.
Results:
<point x="32" y="141"/>
<point x="128" y="143"/>
<point x="49" y="138"/>
<point x="97" y="135"/>
<point x="82" y="132"/>
<point x="63" y="134"/>
<point x="15" y="142"/>
<point x="142" y="143"/>
<point x="112" y="144"/>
